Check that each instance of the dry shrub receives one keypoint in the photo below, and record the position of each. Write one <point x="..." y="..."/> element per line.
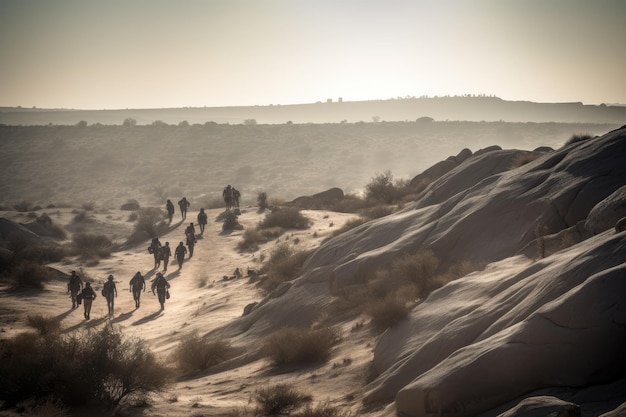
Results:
<point x="231" y="222"/>
<point x="418" y="268"/>
<point x="377" y="211"/>
<point x="81" y="217"/>
<point x="91" y="244"/>
<point x="252" y="238"/>
<point x="195" y="353"/>
<point x="43" y="324"/>
<point x="41" y="253"/>
<point x="261" y="200"/>
<point x="279" y="400"/>
<point x="292" y="346"/>
<point x="97" y="368"/>
<point x="350" y="203"/>
<point x="578" y="137"/>
<point x="23" y="206"/>
<point x="286" y="218"/>
<point x="387" y="312"/>
<point x="147" y="220"/>
<point x="29" y="274"/>
<point x="285" y="263"/>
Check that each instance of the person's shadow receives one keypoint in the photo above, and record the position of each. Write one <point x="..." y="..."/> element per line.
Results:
<point x="122" y="317"/>
<point x="148" y="318"/>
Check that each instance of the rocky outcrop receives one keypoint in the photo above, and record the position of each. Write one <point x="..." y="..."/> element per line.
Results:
<point x="330" y="196"/>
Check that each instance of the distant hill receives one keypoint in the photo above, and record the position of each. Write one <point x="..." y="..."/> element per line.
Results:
<point x="407" y="109"/>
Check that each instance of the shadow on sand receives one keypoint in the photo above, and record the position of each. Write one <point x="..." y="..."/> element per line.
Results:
<point x="148" y="318"/>
<point x="122" y="317"/>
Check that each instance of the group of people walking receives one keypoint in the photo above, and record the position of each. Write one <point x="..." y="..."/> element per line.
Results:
<point x="85" y="294"/>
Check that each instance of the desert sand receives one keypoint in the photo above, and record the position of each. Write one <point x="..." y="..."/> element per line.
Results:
<point x="528" y="330"/>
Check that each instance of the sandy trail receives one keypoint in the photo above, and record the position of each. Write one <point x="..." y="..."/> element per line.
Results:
<point x="201" y="300"/>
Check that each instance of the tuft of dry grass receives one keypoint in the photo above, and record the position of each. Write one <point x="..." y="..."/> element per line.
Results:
<point x="279" y="400"/>
<point x="91" y="244"/>
<point x="44" y="325"/>
<point x="286" y="218"/>
<point x="30" y="274"/>
<point x="195" y="353"/>
<point x="285" y="263"/>
<point x="387" y="312"/>
<point x="292" y="346"/>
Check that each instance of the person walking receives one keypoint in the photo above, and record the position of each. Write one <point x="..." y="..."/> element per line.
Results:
<point x="166" y="252"/>
<point x="109" y="291"/>
<point x="161" y="286"/>
<point x="202" y="220"/>
<point x="179" y="253"/>
<point x="137" y="283"/>
<point x="87" y="296"/>
<point x="183" y="204"/>
<point x="169" y="206"/>
<point x="74" y="285"/>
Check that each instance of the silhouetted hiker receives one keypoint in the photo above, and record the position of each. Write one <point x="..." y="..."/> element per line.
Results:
<point x="74" y="285"/>
<point x="154" y="249"/>
<point x="184" y="205"/>
<point x="109" y="291"/>
<point x="202" y="220"/>
<point x="169" y="206"/>
<point x="190" y="230"/>
<point x="87" y="296"/>
<point x="137" y="283"/>
<point x="161" y="285"/>
<point x="228" y="196"/>
<point x="236" y="197"/>
<point x="166" y="252"/>
<point x="180" y="252"/>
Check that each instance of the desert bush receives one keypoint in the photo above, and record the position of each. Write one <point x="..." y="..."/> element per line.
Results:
<point x="578" y="137"/>
<point x="418" y="268"/>
<point x="231" y="222"/>
<point x="381" y="188"/>
<point x="197" y="354"/>
<point x="285" y="263"/>
<point x="81" y="217"/>
<point x="23" y="206"/>
<point x="377" y="211"/>
<point x="387" y="312"/>
<point x="252" y="238"/>
<point x="88" y="206"/>
<point x="30" y="274"/>
<point x="130" y="205"/>
<point x="96" y="367"/>
<point x="279" y="400"/>
<point x="292" y="346"/>
<point x="91" y="244"/>
<point x="147" y="220"/>
<point x="43" y="324"/>
<point x="42" y="254"/>
<point x="287" y="218"/>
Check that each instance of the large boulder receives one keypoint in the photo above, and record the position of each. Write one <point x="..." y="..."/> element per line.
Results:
<point x="607" y="212"/>
<point x="330" y="196"/>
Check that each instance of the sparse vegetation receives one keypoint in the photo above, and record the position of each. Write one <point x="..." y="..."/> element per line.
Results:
<point x="286" y="218"/>
<point x="96" y="368"/>
<point x="279" y="400"/>
<point x="387" y="312"/>
<point x="285" y="263"/>
<point x="231" y="222"/>
<point x="29" y="274"/>
<point x="292" y="346"/>
<point x="261" y="200"/>
<point x="195" y="353"/>
<point x="148" y="219"/>
<point x="91" y="244"/>
<point x="578" y="137"/>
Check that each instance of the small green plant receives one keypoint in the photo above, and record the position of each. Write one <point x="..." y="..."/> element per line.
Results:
<point x="292" y="346"/>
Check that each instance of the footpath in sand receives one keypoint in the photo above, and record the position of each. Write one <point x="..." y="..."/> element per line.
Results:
<point x="201" y="300"/>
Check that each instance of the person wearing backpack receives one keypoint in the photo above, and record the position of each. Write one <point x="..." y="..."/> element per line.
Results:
<point x="137" y="283"/>
<point x="87" y="296"/>
<point x="183" y="204"/>
<point x="162" y="289"/>
<point x="109" y="291"/>
<point x="74" y="285"/>
<point x="180" y="252"/>
<point x="169" y="206"/>
<point x="202" y="220"/>
<point x="166" y="252"/>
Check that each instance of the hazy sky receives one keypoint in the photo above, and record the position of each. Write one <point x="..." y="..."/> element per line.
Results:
<point x="114" y="54"/>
